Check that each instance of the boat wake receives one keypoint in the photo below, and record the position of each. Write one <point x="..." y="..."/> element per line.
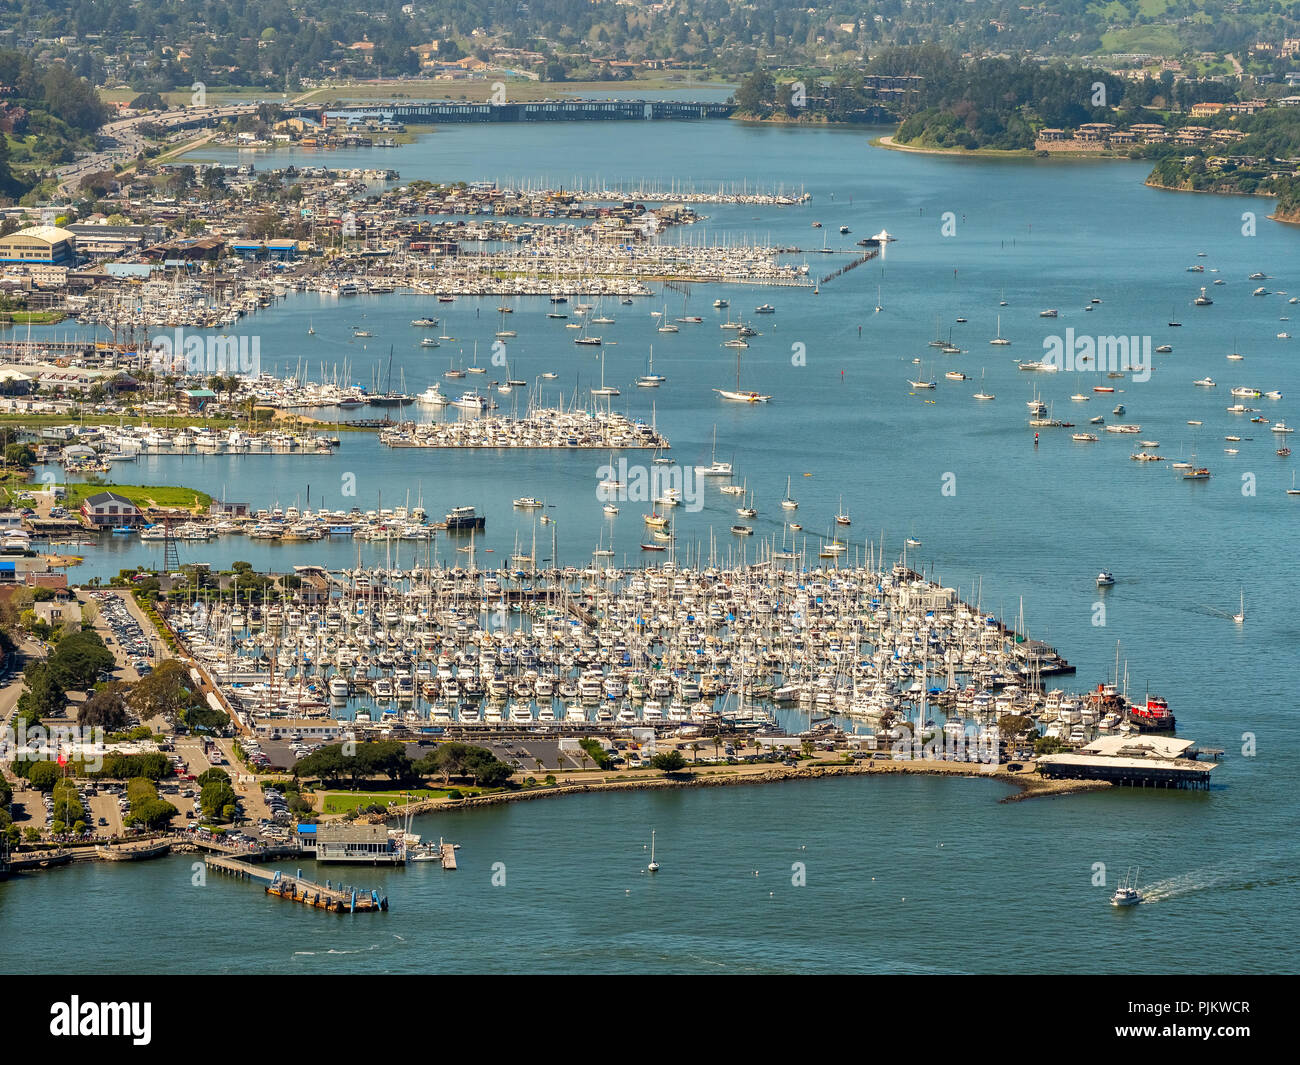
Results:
<point x="1199" y="880"/>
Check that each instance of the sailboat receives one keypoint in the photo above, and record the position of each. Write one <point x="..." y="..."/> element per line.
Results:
<point x="879" y="305"/>
<point x="736" y="395"/>
<point x="981" y="394"/>
<point x="789" y="503"/>
<point x="650" y="379"/>
<point x="715" y="468"/>
<point x="841" y="516"/>
<point x="311" y="329"/>
<point x="1240" y="617"/>
<point x="604" y="390"/>
<point x="1000" y="339"/>
<point x="503" y="332"/>
<point x="1293" y="490"/>
<point x="654" y="865"/>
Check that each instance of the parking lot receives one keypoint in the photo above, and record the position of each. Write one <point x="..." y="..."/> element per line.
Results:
<point x="123" y="633"/>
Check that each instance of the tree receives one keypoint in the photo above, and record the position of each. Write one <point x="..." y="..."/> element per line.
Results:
<point x="20" y="455"/>
<point x="756" y="93"/>
<point x="215" y="797"/>
<point x="106" y="708"/>
<point x="166" y="692"/>
<point x="209" y="775"/>
<point x="43" y="775"/>
<point x="152" y="813"/>
<point x="668" y="761"/>
<point x="44" y="696"/>
<point x="80" y="659"/>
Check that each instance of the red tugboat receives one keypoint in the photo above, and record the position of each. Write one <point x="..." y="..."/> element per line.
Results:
<point x="1154" y="717"/>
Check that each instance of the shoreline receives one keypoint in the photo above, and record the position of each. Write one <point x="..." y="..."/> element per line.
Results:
<point x="1274" y="217"/>
<point x="887" y="141"/>
<point x="1027" y="785"/>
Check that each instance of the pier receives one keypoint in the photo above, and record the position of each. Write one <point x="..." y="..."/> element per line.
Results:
<point x="328" y="896"/>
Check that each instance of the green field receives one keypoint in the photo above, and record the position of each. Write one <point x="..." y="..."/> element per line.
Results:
<point x="142" y="496"/>
<point x="340" y="802"/>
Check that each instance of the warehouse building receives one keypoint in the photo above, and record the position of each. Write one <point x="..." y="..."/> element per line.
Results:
<point x="48" y="245"/>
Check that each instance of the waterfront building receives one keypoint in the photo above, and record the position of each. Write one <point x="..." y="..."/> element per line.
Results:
<point x="365" y="844"/>
<point x="108" y="509"/>
<point x="39" y="244"/>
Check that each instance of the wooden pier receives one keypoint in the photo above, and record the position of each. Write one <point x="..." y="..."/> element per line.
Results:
<point x="336" y="898"/>
<point x="448" y="856"/>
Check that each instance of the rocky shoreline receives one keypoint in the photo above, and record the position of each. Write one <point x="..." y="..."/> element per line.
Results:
<point x="1028" y="785"/>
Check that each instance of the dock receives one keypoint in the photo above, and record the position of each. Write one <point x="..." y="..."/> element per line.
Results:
<point x="337" y="898"/>
<point x="448" y="856"/>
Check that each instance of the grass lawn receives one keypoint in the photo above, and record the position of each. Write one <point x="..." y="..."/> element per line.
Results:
<point x="33" y="317"/>
<point x="340" y="802"/>
<point x="141" y="495"/>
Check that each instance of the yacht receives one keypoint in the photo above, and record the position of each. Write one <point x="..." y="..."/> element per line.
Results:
<point x="1105" y="578"/>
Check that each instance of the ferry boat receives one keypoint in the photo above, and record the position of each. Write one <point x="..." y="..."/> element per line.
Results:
<point x="464" y="518"/>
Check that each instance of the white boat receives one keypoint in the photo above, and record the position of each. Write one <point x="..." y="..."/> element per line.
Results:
<point x="1127" y="894"/>
<point x="1105" y="579"/>
<point x="715" y="467"/>
<point x="653" y="867"/>
<point x="1000" y="340"/>
<point x="789" y="503"/>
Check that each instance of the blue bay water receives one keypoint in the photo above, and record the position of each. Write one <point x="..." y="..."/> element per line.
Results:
<point x="1010" y="887"/>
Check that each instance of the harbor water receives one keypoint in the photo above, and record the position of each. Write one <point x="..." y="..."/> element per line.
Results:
<point x="962" y="882"/>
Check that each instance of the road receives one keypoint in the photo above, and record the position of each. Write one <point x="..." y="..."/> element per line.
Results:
<point x="122" y="142"/>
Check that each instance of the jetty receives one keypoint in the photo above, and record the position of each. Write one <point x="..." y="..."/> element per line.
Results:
<point x="337" y="898"/>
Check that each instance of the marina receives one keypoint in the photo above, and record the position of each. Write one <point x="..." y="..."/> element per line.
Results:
<point x="388" y="626"/>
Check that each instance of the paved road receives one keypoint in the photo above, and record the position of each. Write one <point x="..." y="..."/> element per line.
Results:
<point x="122" y="141"/>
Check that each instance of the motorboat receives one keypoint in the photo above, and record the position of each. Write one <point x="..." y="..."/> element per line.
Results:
<point x="1127" y="894"/>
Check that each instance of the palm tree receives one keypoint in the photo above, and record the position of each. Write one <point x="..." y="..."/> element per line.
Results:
<point x="695" y="752"/>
